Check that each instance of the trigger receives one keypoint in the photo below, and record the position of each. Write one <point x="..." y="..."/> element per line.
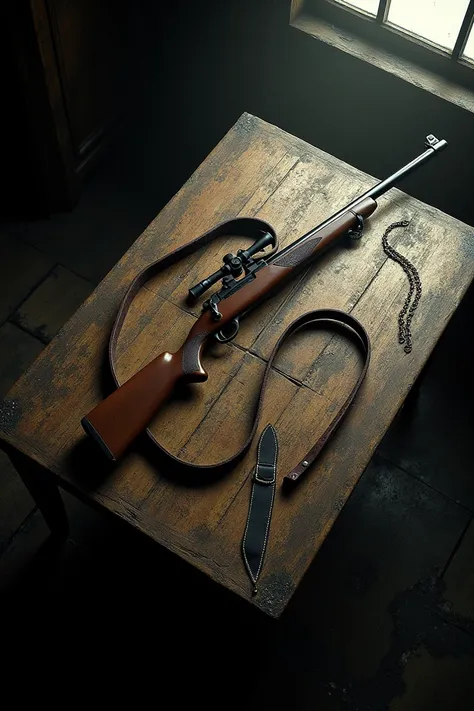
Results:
<point x="229" y="331"/>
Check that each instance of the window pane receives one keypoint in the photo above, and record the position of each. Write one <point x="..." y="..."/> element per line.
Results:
<point x="438" y="21"/>
<point x="369" y="6"/>
<point x="469" y="48"/>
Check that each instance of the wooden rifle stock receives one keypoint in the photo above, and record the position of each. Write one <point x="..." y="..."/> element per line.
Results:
<point x="118" y="419"/>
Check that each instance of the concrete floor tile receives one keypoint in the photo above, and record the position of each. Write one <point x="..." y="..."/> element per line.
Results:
<point x="89" y="240"/>
<point x="51" y="304"/>
<point x="459" y="577"/>
<point x="15" y="501"/>
<point x="17" y="558"/>
<point x="18" y="350"/>
<point x="21" y="268"/>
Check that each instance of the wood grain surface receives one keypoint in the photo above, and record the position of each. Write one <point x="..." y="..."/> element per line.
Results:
<point x="256" y="169"/>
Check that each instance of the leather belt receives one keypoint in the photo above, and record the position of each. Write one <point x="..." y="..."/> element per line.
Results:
<point x="248" y="227"/>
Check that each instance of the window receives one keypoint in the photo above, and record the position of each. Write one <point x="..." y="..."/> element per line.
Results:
<point x="428" y="43"/>
<point x="442" y="25"/>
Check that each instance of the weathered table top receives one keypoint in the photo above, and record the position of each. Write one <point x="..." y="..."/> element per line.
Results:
<point x="256" y="169"/>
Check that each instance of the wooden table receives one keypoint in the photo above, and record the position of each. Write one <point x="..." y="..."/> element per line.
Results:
<point x="256" y="169"/>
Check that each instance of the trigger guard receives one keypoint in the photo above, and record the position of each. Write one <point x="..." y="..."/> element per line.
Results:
<point x="220" y="335"/>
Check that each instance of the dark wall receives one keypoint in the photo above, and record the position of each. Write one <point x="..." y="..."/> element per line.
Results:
<point x="210" y="61"/>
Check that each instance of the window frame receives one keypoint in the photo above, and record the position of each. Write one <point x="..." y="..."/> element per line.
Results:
<point x="402" y="43"/>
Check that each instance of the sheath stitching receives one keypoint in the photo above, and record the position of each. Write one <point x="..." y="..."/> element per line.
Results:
<point x="254" y="580"/>
<point x="271" y="505"/>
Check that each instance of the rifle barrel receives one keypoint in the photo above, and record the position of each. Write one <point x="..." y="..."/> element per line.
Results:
<point x="433" y="147"/>
<point x="388" y="183"/>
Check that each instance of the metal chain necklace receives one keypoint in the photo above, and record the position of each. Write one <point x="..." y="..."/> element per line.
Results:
<point x="409" y="307"/>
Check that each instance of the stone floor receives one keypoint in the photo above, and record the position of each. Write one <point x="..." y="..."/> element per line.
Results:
<point x="385" y="616"/>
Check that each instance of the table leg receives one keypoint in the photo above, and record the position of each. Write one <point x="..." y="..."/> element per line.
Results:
<point x="44" y="490"/>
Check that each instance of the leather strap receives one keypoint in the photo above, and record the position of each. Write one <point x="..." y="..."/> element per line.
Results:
<point x="334" y="318"/>
<point x="252" y="228"/>
<point x="259" y="517"/>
